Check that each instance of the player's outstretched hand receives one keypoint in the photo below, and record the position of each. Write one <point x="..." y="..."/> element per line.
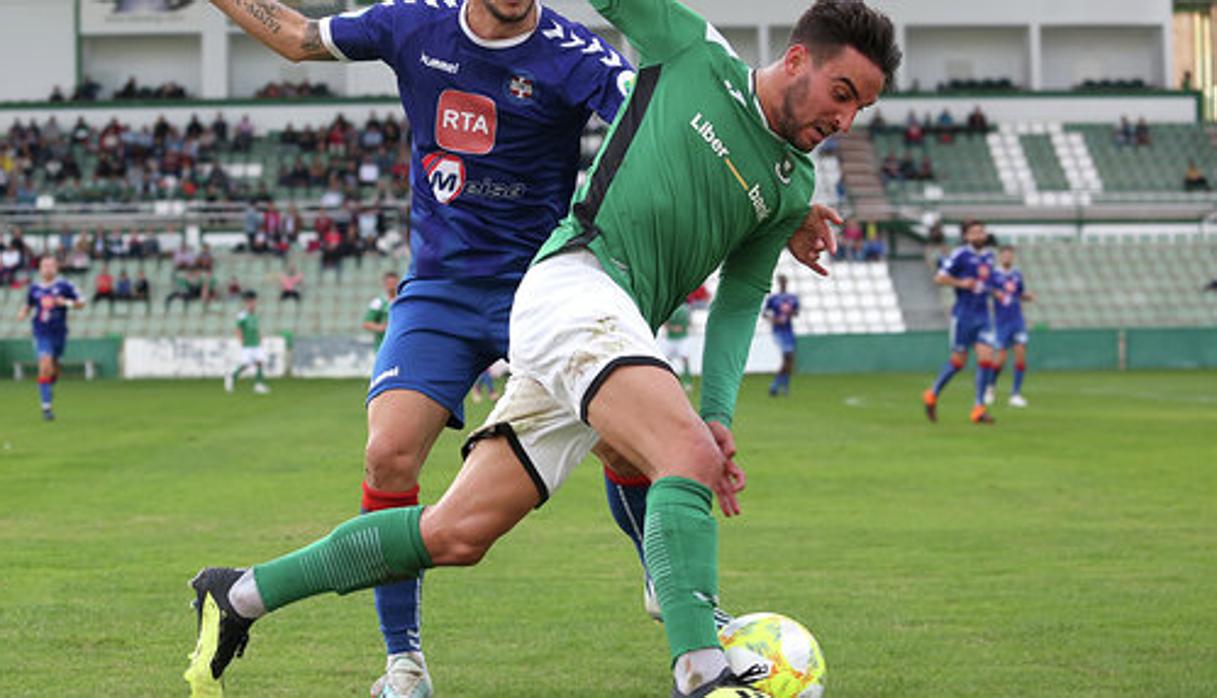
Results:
<point x="733" y="479"/>
<point x="815" y="236"/>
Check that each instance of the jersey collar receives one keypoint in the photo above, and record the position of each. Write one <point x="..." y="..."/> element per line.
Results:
<point x="497" y="43"/>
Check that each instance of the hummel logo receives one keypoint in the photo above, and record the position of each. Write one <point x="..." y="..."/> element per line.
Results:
<point x="385" y="375"/>
<point x="437" y="64"/>
<point x="734" y="92"/>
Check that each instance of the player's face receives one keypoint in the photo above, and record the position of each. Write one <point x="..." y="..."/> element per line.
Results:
<point x="825" y="94"/>
<point x="509" y="11"/>
<point x="976" y="236"/>
<point x="1006" y="257"/>
<point x="390" y="283"/>
<point x="48" y="268"/>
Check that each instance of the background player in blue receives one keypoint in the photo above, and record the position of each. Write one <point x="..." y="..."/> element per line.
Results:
<point x="780" y="309"/>
<point x="48" y="301"/>
<point x="968" y="270"/>
<point x="497" y="93"/>
<point x="1009" y="294"/>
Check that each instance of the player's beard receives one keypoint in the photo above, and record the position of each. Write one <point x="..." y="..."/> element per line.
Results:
<point x="506" y="18"/>
<point x="788" y="127"/>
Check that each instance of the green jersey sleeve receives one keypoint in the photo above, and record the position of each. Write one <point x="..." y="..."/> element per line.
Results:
<point x="659" y="29"/>
<point x="746" y="278"/>
<point x="375" y="312"/>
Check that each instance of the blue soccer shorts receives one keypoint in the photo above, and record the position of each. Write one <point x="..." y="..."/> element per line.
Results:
<point x="785" y="340"/>
<point x="51" y="345"/>
<point x="442" y="334"/>
<point x="967" y="330"/>
<point x="1011" y="333"/>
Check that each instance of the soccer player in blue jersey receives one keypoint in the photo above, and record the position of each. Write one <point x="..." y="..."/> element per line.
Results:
<point x="497" y="93"/>
<point x="968" y="270"/>
<point x="1009" y="294"/>
<point x="48" y="302"/>
<point x="780" y="309"/>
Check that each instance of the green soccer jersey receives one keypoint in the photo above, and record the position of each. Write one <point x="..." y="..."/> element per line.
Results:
<point x="690" y="177"/>
<point x="678" y="324"/>
<point x="378" y="312"/>
<point x="247" y="324"/>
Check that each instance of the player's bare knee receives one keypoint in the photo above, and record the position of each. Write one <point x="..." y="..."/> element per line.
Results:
<point x="699" y="458"/>
<point x="458" y="546"/>
<point x="391" y="463"/>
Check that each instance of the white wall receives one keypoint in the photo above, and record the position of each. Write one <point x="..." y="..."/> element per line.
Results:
<point x="940" y="54"/>
<point x="1063" y="108"/>
<point x="37" y="33"/>
<point x="251" y="66"/>
<point x="1075" y="54"/>
<point x="153" y="60"/>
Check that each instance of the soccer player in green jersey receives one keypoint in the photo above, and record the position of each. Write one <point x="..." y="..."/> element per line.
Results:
<point x="706" y="166"/>
<point x="376" y="319"/>
<point x="250" y="338"/>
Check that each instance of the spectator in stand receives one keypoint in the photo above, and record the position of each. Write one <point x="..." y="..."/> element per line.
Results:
<point x="1141" y="133"/>
<point x="333" y="195"/>
<point x="293" y="224"/>
<point x="272" y="221"/>
<point x="978" y="123"/>
<point x="851" y="237"/>
<point x="204" y="261"/>
<point x="331" y="252"/>
<point x="877" y="123"/>
<point x="142" y="291"/>
<point x="914" y="132"/>
<point x="184" y="288"/>
<point x="1124" y="132"/>
<point x="945" y="127"/>
<point x="908" y="168"/>
<point x="8" y="266"/>
<point x="244" y="139"/>
<point x="103" y="288"/>
<point x="251" y="223"/>
<point x="183" y="257"/>
<point x="209" y="288"/>
<point x="78" y="259"/>
<point x="925" y="171"/>
<point x="873" y="249"/>
<point x="289" y="284"/>
<point x="123" y="290"/>
<point x="1194" y="179"/>
<point x="890" y="171"/>
<point x="234" y="288"/>
<point x="369" y="172"/>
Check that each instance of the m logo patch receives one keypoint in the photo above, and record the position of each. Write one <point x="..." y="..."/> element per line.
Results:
<point x="446" y="174"/>
<point x="465" y="123"/>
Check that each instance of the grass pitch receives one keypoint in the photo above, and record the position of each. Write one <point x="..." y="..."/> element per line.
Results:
<point x="1066" y="551"/>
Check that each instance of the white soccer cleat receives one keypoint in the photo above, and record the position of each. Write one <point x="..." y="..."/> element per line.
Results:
<point x="650" y="601"/>
<point x="261" y="388"/>
<point x="405" y="677"/>
<point x="1017" y="401"/>
<point x="990" y="395"/>
<point x="228" y="383"/>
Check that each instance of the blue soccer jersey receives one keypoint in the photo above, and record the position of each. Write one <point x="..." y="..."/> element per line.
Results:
<point x="782" y="307"/>
<point x="966" y="263"/>
<point x="496" y="126"/>
<point x="50" y="319"/>
<point x="1008" y="308"/>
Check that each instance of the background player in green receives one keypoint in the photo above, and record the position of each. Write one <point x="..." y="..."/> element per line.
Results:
<point x="708" y="165"/>
<point x="676" y="343"/>
<point x="376" y="319"/>
<point x="250" y="338"/>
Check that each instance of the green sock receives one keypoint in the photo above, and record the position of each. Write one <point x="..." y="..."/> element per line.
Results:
<point x="364" y="552"/>
<point x="237" y="373"/>
<point x="258" y="375"/>
<point x="681" y="549"/>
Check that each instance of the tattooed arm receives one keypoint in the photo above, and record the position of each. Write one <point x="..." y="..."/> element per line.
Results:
<point x="283" y="30"/>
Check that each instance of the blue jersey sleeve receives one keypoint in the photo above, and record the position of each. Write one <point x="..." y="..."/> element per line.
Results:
<point x="602" y="79"/>
<point x="362" y="35"/>
<point x="70" y="292"/>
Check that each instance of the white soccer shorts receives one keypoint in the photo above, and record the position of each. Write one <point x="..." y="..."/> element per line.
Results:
<point x="253" y="355"/>
<point x="571" y="326"/>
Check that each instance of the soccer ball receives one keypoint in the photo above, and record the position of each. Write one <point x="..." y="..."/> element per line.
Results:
<point x="776" y="654"/>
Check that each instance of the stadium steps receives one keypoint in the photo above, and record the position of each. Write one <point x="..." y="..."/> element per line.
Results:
<point x="919" y="296"/>
<point x="860" y="169"/>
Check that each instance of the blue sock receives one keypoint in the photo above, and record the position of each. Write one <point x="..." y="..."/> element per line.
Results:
<point x="994" y="375"/>
<point x="1019" y="371"/>
<point x="399" y="609"/>
<point x="982" y="381"/>
<point x="944" y="376"/>
<point x="44" y="390"/>
<point x="398" y="605"/>
<point x="627" y="500"/>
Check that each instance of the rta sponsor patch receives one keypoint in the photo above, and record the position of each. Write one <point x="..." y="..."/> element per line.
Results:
<point x="446" y="174"/>
<point x="465" y="123"/>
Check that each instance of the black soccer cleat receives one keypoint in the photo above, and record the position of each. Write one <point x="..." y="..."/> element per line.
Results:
<point x="47" y="415"/>
<point x="222" y="632"/>
<point x="726" y="685"/>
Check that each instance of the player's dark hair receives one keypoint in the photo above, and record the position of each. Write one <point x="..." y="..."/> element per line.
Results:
<point x="830" y="25"/>
<point x="782" y="280"/>
<point x="392" y="275"/>
<point x="968" y="223"/>
<point x="1005" y="247"/>
<point x="249" y="295"/>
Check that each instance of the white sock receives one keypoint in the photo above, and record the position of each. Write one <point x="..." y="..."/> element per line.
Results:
<point x="245" y="598"/>
<point x="697" y="668"/>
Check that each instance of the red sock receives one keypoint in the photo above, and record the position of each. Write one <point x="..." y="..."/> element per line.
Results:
<point x="617" y="479"/>
<point x="375" y="500"/>
<point x="46" y="380"/>
<point x="958" y="363"/>
<point x="1020" y="366"/>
